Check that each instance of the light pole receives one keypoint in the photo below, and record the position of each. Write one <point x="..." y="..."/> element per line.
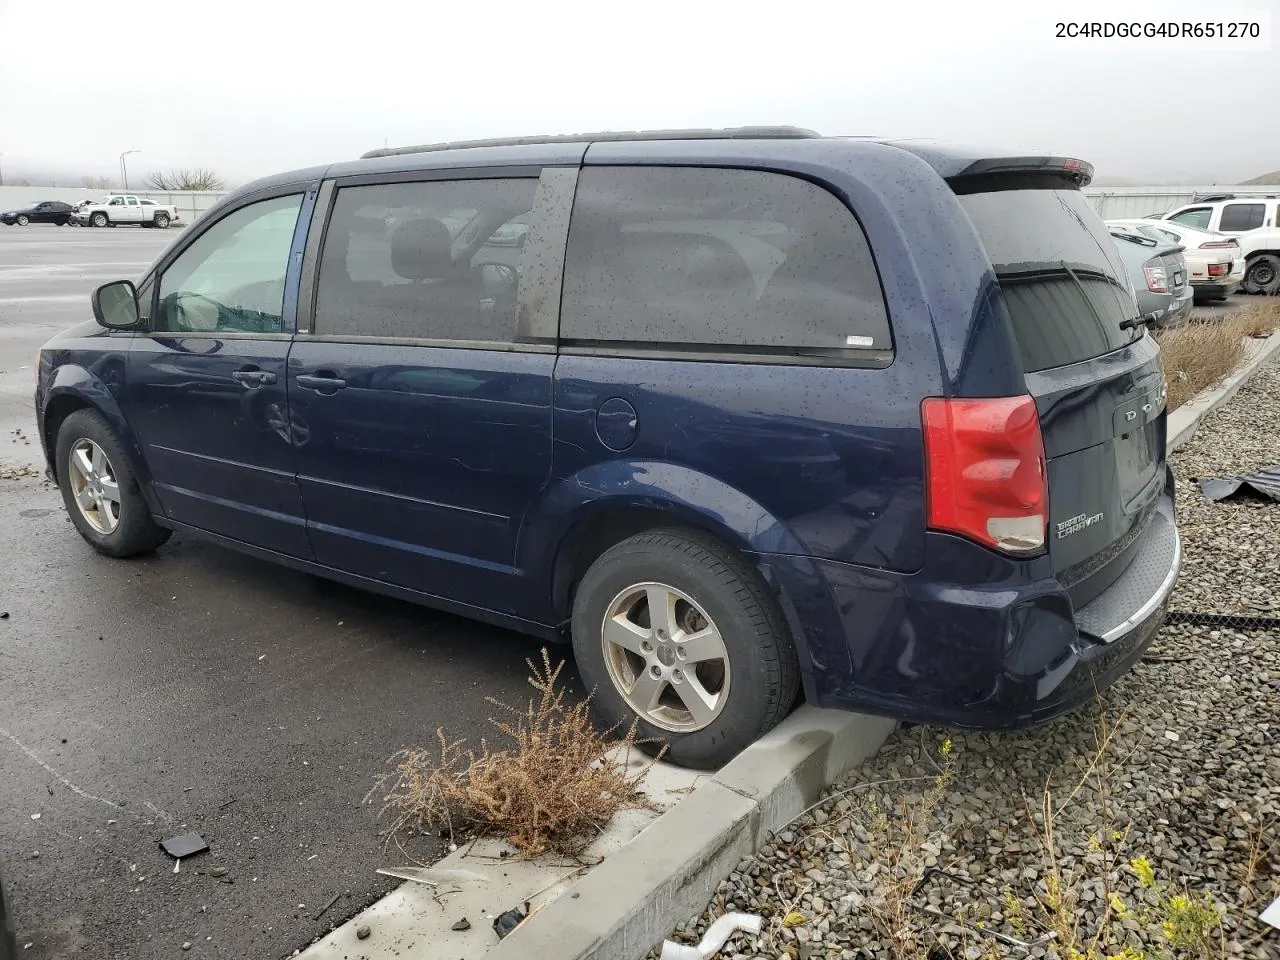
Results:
<point x="124" y="170"/>
<point x="1" y="173"/>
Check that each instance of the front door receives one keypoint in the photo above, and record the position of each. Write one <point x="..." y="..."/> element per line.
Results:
<point x="206" y="386"/>
<point x="427" y="425"/>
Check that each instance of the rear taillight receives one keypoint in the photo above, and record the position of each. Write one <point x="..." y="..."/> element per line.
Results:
<point x="984" y="461"/>
<point x="1157" y="280"/>
<point x="1218" y="245"/>
<point x="1219" y="269"/>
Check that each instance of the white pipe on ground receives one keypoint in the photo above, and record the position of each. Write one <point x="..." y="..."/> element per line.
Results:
<point x="715" y="937"/>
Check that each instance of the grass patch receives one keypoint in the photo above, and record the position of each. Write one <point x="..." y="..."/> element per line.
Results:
<point x="551" y="790"/>
<point x="1200" y="355"/>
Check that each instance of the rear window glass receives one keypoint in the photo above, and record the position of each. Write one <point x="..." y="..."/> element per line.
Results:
<point x="718" y="258"/>
<point x="1062" y="278"/>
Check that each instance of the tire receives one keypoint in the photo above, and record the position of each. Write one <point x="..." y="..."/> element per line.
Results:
<point x="99" y="219"/>
<point x="22" y="221"/>
<point x="133" y="531"/>
<point x="1262" y="275"/>
<point x="161" y="221"/>
<point x="758" y="679"/>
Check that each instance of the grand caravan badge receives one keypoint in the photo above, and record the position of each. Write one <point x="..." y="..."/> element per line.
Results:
<point x="1077" y="523"/>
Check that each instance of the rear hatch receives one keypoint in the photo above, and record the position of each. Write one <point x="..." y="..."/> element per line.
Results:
<point x="1095" y="376"/>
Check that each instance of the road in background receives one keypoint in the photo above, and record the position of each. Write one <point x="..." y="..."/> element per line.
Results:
<point x="46" y="275"/>
<point x="195" y="690"/>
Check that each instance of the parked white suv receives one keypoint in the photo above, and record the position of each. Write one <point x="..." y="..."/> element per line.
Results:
<point x="126" y="208"/>
<point x="1254" y="222"/>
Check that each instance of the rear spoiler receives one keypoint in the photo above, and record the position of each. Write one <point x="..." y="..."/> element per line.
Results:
<point x="1022" y="173"/>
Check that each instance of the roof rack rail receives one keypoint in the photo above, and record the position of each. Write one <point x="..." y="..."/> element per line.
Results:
<point x="727" y="133"/>
<point x="1217" y="197"/>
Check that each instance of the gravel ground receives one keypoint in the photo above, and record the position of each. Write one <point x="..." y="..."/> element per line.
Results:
<point x="1190" y="781"/>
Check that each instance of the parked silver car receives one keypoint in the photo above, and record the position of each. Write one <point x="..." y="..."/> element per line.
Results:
<point x="1158" y="270"/>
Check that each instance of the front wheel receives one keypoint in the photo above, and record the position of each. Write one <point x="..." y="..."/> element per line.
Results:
<point x="1262" y="275"/>
<point x="676" y="632"/>
<point x="22" y="221"/>
<point x="99" y="220"/>
<point x="100" y="490"/>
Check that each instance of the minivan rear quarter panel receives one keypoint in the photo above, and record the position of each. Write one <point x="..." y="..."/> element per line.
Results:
<point x="857" y="430"/>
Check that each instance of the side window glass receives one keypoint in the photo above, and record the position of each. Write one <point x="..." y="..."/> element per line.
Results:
<point x="1197" y="219"/>
<point x="1242" y="216"/>
<point x="116" y="202"/>
<point x="438" y="259"/>
<point x="715" y="258"/>
<point x="232" y="276"/>
<point x="131" y="201"/>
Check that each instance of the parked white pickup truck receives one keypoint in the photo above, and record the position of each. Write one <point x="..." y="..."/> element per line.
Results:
<point x="1254" y="222"/>
<point x="126" y="208"/>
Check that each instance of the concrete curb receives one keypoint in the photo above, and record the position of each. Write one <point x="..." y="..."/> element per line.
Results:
<point x="666" y="875"/>
<point x="1184" y="421"/>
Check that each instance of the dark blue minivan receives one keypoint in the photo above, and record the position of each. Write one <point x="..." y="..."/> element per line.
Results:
<point x="740" y="413"/>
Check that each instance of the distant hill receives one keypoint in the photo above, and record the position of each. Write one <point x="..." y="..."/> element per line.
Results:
<point x="1265" y="180"/>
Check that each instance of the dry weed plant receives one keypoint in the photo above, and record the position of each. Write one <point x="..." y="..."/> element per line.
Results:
<point x="552" y="790"/>
<point x="1200" y="354"/>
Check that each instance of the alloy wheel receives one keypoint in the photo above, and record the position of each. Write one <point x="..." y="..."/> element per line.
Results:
<point x="666" y="657"/>
<point x="94" y="485"/>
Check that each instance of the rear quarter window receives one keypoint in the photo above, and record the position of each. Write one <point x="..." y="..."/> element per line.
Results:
<point x="738" y="260"/>
<point x="1063" y="281"/>
<point x="1242" y="216"/>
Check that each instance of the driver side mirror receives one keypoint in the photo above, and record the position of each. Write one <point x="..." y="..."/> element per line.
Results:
<point x="115" y="305"/>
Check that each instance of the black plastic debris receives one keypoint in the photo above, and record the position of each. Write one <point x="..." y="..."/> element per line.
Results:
<point x="506" y="922"/>
<point x="463" y="924"/>
<point x="1264" y="483"/>
<point x="187" y="845"/>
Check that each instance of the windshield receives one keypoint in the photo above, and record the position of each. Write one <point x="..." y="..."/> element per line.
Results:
<point x="1063" y="281"/>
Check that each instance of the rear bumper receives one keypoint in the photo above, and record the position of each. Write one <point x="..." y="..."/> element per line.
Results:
<point x="1011" y="651"/>
<point x="1215" y="288"/>
<point x="1176" y="311"/>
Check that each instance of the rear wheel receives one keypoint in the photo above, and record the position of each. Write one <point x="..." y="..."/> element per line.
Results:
<point x="676" y="632"/>
<point x="22" y="221"/>
<point x="100" y="491"/>
<point x="1262" y="275"/>
<point x="99" y="220"/>
<point x="161" y="221"/>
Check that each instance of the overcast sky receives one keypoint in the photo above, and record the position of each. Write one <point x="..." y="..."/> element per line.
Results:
<point x="250" y="88"/>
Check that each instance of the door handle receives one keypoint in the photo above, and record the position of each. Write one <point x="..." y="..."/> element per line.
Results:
<point x="253" y="378"/>
<point x="323" y="385"/>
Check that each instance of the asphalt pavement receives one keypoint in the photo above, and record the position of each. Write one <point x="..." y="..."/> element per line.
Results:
<point x="193" y="691"/>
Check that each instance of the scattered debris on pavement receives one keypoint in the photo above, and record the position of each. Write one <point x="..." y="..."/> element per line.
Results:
<point x="325" y="909"/>
<point x="363" y="932"/>
<point x="460" y="925"/>
<point x="1271" y="915"/>
<point x="505" y="922"/>
<point x="1264" y="483"/>
<point x="716" y="936"/>
<point x="187" y="845"/>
